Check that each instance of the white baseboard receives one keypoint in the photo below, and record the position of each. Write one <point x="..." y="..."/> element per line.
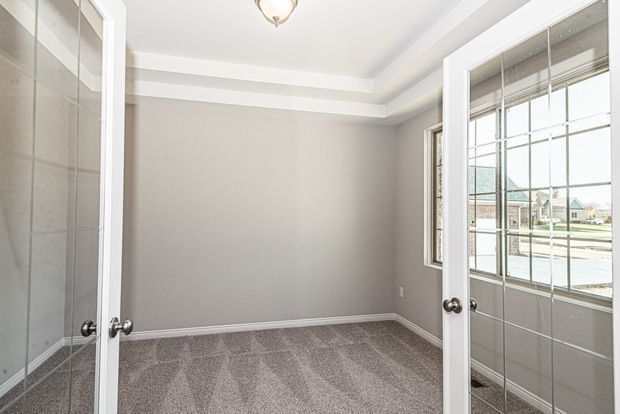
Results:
<point x="34" y="364"/>
<point x="522" y="393"/>
<point x="169" y="333"/>
<point x="419" y="331"/>
<point x="293" y="323"/>
<point x="257" y="326"/>
<point x="38" y="361"/>
<point x="78" y="340"/>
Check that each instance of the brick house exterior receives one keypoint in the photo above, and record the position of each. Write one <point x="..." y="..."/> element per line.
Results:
<point x="482" y="212"/>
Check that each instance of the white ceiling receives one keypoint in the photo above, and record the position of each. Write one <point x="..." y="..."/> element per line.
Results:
<point x="340" y="37"/>
<point x="373" y="59"/>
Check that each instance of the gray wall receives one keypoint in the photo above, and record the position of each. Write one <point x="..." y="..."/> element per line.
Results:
<point x="421" y="284"/>
<point x="237" y="215"/>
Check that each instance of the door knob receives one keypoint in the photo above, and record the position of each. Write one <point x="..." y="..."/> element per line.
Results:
<point x="88" y="328"/>
<point x="452" y="305"/>
<point x="117" y="326"/>
<point x="473" y="305"/>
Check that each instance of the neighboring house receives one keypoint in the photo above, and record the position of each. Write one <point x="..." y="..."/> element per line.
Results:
<point x="558" y="207"/>
<point x="482" y="181"/>
<point x="598" y="211"/>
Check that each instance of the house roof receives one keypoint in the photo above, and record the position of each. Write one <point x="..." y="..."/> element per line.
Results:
<point x="574" y="203"/>
<point x="485" y="183"/>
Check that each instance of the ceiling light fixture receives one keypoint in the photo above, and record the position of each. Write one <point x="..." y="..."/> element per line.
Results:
<point x="276" y="11"/>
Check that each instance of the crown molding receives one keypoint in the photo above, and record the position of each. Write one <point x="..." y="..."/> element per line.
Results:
<point x="259" y="100"/>
<point x="248" y="73"/>
<point x="388" y="81"/>
<point x="418" y="97"/>
<point x="407" y="84"/>
<point x="413" y="100"/>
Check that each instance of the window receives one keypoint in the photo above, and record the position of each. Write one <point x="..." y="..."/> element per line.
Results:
<point x="540" y="198"/>
<point x="436" y="221"/>
<point x="484" y="214"/>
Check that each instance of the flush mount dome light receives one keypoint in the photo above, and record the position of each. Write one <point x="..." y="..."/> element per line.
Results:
<point x="276" y="11"/>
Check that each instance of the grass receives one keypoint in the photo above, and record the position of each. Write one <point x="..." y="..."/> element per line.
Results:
<point x="577" y="228"/>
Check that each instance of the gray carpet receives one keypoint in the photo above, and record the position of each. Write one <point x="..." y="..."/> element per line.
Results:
<point x="59" y="383"/>
<point x="378" y="367"/>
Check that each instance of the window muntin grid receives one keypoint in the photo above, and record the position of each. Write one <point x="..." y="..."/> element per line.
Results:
<point x="520" y="225"/>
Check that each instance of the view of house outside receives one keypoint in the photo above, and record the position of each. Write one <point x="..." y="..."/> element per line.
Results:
<point x="541" y="197"/>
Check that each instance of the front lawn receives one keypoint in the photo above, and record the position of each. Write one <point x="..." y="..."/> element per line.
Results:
<point x="577" y="227"/>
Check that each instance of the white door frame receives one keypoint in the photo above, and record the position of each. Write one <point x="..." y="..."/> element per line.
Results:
<point x="111" y="215"/>
<point x="527" y="21"/>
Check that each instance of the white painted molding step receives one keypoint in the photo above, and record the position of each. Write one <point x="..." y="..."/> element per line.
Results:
<point x="257" y="326"/>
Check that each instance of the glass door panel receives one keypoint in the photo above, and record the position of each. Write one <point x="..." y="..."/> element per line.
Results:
<point x="51" y="184"/>
<point x="16" y="155"/>
<point x="86" y="190"/>
<point x="540" y="223"/>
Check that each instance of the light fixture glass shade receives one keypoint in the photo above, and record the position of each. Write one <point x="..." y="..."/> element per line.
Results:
<point x="276" y="11"/>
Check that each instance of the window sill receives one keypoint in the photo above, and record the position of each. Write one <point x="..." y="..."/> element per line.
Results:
<point x="433" y="266"/>
<point x="597" y="304"/>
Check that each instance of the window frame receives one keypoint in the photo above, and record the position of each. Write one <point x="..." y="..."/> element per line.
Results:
<point x="431" y="193"/>
<point x="430" y="197"/>
<point x="560" y="83"/>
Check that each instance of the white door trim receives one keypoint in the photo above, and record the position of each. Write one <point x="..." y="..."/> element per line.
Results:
<point x="111" y="216"/>
<point x="614" y="72"/>
<point x="530" y="19"/>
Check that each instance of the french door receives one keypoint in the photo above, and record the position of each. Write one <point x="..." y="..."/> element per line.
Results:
<point x="62" y="93"/>
<point x="113" y="136"/>
<point x="531" y="114"/>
